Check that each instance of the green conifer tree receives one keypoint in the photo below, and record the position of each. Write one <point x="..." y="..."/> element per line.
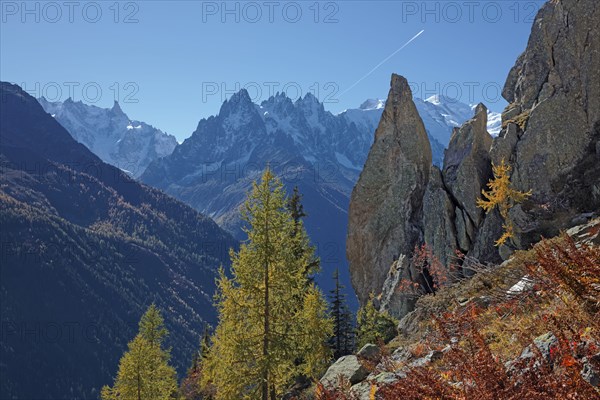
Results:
<point x="374" y="326"/>
<point x="205" y="343"/>
<point x="343" y="335"/>
<point x="349" y="327"/>
<point x="296" y="209"/>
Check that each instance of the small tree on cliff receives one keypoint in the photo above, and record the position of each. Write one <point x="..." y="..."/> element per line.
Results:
<point x="273" y="325"/>
<point x="144" y="370"/>
<point x="503" y="196"/>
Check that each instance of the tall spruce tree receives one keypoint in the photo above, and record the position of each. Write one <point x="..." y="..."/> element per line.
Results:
<point x="273" y="326"/>
<point x="205" y="343"/>
<point x="342" y="341"/>
<point x="296" y="209"/>
<point x="202" y="353"/>
<point x="144" y="370"/>
<point x="349" y="327"/>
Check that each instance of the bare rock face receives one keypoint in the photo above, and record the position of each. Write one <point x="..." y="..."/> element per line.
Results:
<point x="554" y="118"/>
<point x="467" y="166"/>
<point x="504" y="144"/>
<point x="386" y="203"/>
<point x="550" y="137"/>
<point x="440" y="231"/>
<point x="392" y="300"/>
<point x="467" y="169"/>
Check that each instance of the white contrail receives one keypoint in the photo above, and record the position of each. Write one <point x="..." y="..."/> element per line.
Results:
<point x="382" y="62"/>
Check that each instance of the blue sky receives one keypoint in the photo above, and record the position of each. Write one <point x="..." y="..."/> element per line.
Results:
<point x="172" y="63"/>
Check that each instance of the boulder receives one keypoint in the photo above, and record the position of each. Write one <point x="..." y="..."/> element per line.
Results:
<point x="346" y="367"/>
<point x="524" y="284"/>
<point x="387" y="378"/>
<point x="362" y="390"/>
<point x="409" y="324"/>
<point x="433" y="355"/>
<point x="370" y="352"/>
<point x="401" y="355"/>
<point x="587" y="233"/>
<point x="365" y="389"/>
<point x="590" y="371"/>
<point x="544" y="343"/>
<point x="392" y="300"/>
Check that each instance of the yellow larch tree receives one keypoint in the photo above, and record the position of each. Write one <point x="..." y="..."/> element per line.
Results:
<point x="503" y="196"/>
<point x="273" y="323"/>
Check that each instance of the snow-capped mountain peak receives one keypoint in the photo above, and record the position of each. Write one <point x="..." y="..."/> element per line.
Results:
<point x="435" y="99"/>
<point x="372" y="104"/>
<point x="309" y="104"/>
<point x="440" y="114"/>
<point x="110" y="134"/>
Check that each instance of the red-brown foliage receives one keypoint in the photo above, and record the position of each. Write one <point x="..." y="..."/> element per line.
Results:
<point x="559" y="269"/>
<point x="561" y="264"/>
<point x="431" y="276"/>
<point x="469" y="370"/>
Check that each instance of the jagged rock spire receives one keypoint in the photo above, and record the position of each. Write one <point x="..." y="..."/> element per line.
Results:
<point x="386" y="203"/>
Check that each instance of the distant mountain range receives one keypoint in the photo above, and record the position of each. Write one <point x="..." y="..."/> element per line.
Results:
<point x="132" y="145"/>
<point x="81" y="237"/>
<point x="85" y="250"/>
<point x="109" y="133"/>
<point x="320" y="152"/>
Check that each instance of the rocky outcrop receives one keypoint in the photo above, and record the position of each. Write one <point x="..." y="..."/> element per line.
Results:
<point x="554" y="91"/>
<point x="397" y="297"/>
<point x="550" y="136"/>
<point x="467" y="169"/>
<point x="439" y="227"/>
<point x="448" y="210"/>
<point x="467" y="165"/>
<point x="386" y="203"/>
<point x="590" y="371"/>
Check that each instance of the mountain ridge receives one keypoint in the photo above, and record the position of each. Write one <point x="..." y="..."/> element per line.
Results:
<point x="85" y="250"/>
